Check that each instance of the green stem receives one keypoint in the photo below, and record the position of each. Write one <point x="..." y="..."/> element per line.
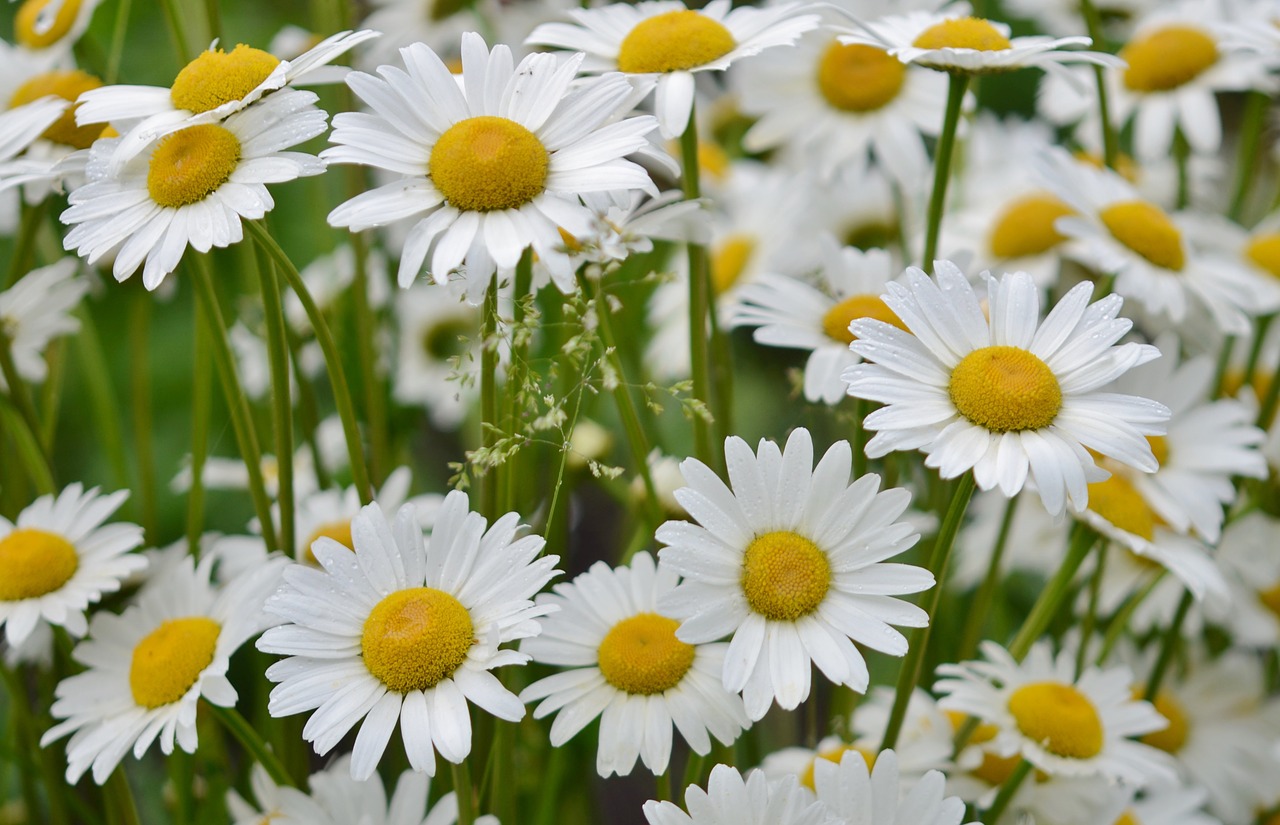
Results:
<point x="1269" y="402"/>
<point x="181" y="764"/>
<point x="375" y="407"/>
<point x="245" y="734"/>
<point x="942" y="166"/>
<point x="143" y="431"/>
<point x="24" y="247"/>
<point x="51" y="393"/>
<point x="24" y="741"/>
<point x="118" y="799"/>
<point x="1172" y="636"/>
<point x="281" y="401"/>
<point x="1055" y="592"/>
<point x="1110" y="142"/>
<point x="913" y="663"/>
<point x="489" y="397"/>
<point x="662" y="786"/>
<point x="980" y="607"/>
<point x="517" y="378"/>
<point x="174" y="16"/>
<point x="213" y="17"/>
<point x="118" y="33"/>
<point x="1091" y="617"/>
<point x="102" y="397"/>
<point x="860" y="436"/>
<point x="1182" y="154"/>
<point x="28" y="446"/>
<point x="699" y="303"/>
<point x="201" y="412"/>
<point x="1120" y="620"/>
<point x="19" y="396"/>
<point x="308" y="416"/>
<point x="1007" y="790"/>
<point x="1255" y="350"/>
<point x="466" y="797"/>
<point x="1220" y="368"/>
<point x="1252" y="125"/>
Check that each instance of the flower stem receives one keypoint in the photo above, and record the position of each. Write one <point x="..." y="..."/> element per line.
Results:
<point x="375" y="407"/>
<point x="118" y="33"/>
<point x="102" y="397"/>
<point x="19" y="396"/>
<point x="1046" y="607"/>
<point x="956" y="88"/>
<point x="28" y="447"/>
<point x="517" y="379"/>
<point x="489" y="397"/>
<point x="201" y="412"/>
<point x="466" y="797"/>
<point x="281" y="400"/>
<point x="1167" y="646"/>
<point x="21" y="258"/>
<point x="1269" y="403"/>
<point x="1091" y="617"/>
<point x="1251" y="127"/>
<point x="143" y="429"/>
<point x="1007" y="790"/>
<point x="699" y="302"/>
<point x="245" y="734"/>
<point x="1120" y="620"/>
<point x="174" y="17"/>
<point x="118" y="799"/>
<point x="1110" y="143"/>
<point x="980" y="607"/>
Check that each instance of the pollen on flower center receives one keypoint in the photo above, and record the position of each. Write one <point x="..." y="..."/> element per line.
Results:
<point x="1026" y="226"/>
<point x="33" y="563"/>
<point x="784" y="576"/>
<point x="836" y="322"/>
<point x="486" y="163"/>
<point x="858" y="78"/>
<point x="169" y="659"/>
<point x="641" y="655"/>
<point x="218" y="77"/>
<point x="189" y="165"/>
<point x="1172" y="738"/>
<point x="1264" y="250"/>
<point x="416" y="638"/>
<point x="34" y="28"/>
<point x="1119" y="502"/>
<point x="672" y="42"/>
<point x="339" y="531"/>
<point x="1059" y="717"/>
<point x="67" y="84"/>
<point x="834" y="754"/>
<point x="963" y="33"/>
<point x="1147" y="230"/>
<point x="1005" y="389"/>
<point x="729" y="260"/>
<point x="1168" y="58"/>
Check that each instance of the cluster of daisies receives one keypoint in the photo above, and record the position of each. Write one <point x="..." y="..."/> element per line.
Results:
<point x="1007" y="551"/>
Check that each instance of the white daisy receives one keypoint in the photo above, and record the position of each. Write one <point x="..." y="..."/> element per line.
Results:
<point x="629" y="669"/>
<point x="328" y="513"/>
<point x="37" y="309"/>
<point x="1248" y="557"/>
<point x="731" y="800"/>
<point x="273" y="804"/>
<point x="327" y="278"/>
<point x="620" y="230"/>
<point x="1036" y="543"/>
<point x="661" y="44"/>
<point x="1064" y="17"/>
<point x="401" y="633"/>
<point x="192" y="188"/>
<point x="58" y="557"/>
<point x="874" y="797"/>
<point x="1009" y="397"/>
<point x="496" y="158"/>
<point x="1063" y="725"/>
<point x="790" y="561"/>
<point x="1170" y="805"/>
<point x="52" y="25"/>
<point x="149" y="667"/>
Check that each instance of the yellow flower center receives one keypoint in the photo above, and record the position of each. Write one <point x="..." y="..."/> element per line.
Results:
<point x="784" y="576"/>
<point x="963" y="33"/>
<point x="1159" y="448"/>
<point x="1168" y="58"/>
<point x="487" y="163"/>
<point x="1120" y="503"/>
<point x="1147" y="230"/>
<point x="1264" y="250"/>
<point x="33" y="29"/>
<point x="1172" y="738"/>
<point x="858" y="78"/>
<point x="1270" y="598"/>
<point x="1128" y="818"/>
<point x="67" y="84"/>
<point x="169" y="659"/>
<point x="33" y="563"/>
<point x="713" y="159"/>
<point x="1005" y="389"/>
<point x="673" y="42"/>
<point x="218" y="77"/>
<point x="836" y="322"/>
<point x="1059" y="717"/>
<point x="1026" y="226"/>
<point x="416" y="638"/>
<point x="189" y="165"/>
<point x="835" y="754"/>
<point x="339" y="531"/>
<point x="1126" y="167"/>
<point x="641" y="655"/>
<point x="994" y="770"/>
<point x="729" y="260"/>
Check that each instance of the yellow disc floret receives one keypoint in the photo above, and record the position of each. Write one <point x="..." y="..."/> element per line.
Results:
<point x="963" y="33"/>
<point x="67" y="84"/>
<point x="836" y="322"/>
<point x="1058" y="717"/>
<point x="1005" y="389"/>
<point x="1147" y="230"/>
<point x="729" y="260"/>
<point x="1270" y="598"/>
<point x="835" y="754"/>
<point x="169" y="660"/>
<point x="416" y="638"/>
<point x="1264" y="250"/>
<point x="858" y="78"/>
<point x="1172" y="738"/>
<point x="672" y="42"/>
<point x="486" y="163"/>
<point x="217" y="77"/>
<point x="1119" y="502"/>
<point x="34" y="562"/>
<point x="189" y="165"/>
<point x="35" y="28"/>
<point x="784" y="576"/>
<point x="641" y="655"/>
<point x="1027" y="226"/>
<point x="339" y="531"/>
<point x="1168" y="58"/>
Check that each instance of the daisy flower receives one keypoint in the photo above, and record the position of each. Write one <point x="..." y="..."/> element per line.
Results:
<point x="58" y="557"/>
<point x="149" y="667"/>
<point x="855" y="794"/>
<point x="328" y="513"/>
<point x="1010" y="397"/>
<point x="1248" y="557"/>
<point x="661" y="44"/>
<point x="629" y="669"/>
<point x="788" y="312"/>
<point x="1064" y="17"/>
<point x="1062" y="725"/>
<point x="1036" y="543"/>
<point x="52" y="25"/>
<point x="496" y="159"/>
<point x="37" y="309"/>
<point x="398" y="633"/>
<point x="731" y="800"/>
<point x="1171" y="805"/>
<point x="438" y="353"/>
<point x="790" y="561"/>
<point x="191" y="188"/>
<point x="273" y="803"/>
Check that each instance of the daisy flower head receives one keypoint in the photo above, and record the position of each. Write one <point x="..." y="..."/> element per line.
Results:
<point x="1248" y="557"/>
<point x="629" y="669"/>
<point x="856" y="792"/>
<point x="661" y="44"/>
<point x="52" y="25"/>
<point x="58" y="557"/>
<point x="190" y="188"/>
<point x="731" y="800"/>
<point x="37" y="309"/>
<point x="1063" y="725"/>
<point x="149" y="667"/>
<point x="1010" y="396"/>
<point x="438" y="353"/>
<point x="398" y="633"/>
<point x="328" y="513"/>
<point x="790" y="561"/>
<point x="1063" y="17"/>
<point x="495" y="159"/>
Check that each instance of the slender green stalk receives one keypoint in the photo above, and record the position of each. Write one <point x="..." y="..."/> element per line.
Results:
<point x="1251" y="127"/>
<point x="1055" y="592"/>
<point x="1110" y="143"/>
<point x="550" y="802"/>
<point x="1182" y="154"/>
<point x="18" y="394"/>
<point x="913" y="663"/>
<point x="375" y="405"/>
<point x="308" y="417"/>
<point x="699" y="303"/>
<point x="28" y="446"/>
<point x="118" y="33"/>
<point x="1172" y="636"/>
<point x="1220" y="368"/>
<point x="174" y="16"/>
<point x="466" y="797"/>
<point x="662" y="786"/>
<point x="247" y="736"/>
<point x="860" y="436"/>
<point x="980" y="607"/>
<point x="281" y="400"/>
<point x="1120" y="620"/>
<point x="1091" y="616"/>
<point x="143" y="431"/>
<point x="958" y="84"/>
<point x="102" y="398"/>
<point x="51" y="393"/>
<point x="489" y="397"/>
<point x="181" y="775"/>
<point x="1007" y="790"/>
<point x="213" y="17"/>
<point x="24" y="741"/>
<point x="1255" y="351"/>
<point x="118" y="799"/>
<point x="201" y="412"/>
<point x="24" y="247"/>
<point x="517" y="378"/>
<point x="1269" y="402"/>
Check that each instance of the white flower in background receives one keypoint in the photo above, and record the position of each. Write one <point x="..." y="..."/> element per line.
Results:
<point x="327" y="278"/>
<point x="1170" y="805"/>
<point x="620" y="230"/>
<point x="37" y="309"/>
<point x="1063" y="17"/>
<point x="438" y="353"/>
<point x="328" y="513"/>
<point x="52" y="26"/>
<point x="232" y="473"/>
<point x="731" y="800"/>
<point x="273" y="803"/>
<point x="1036" y="544"/>
<point x="855" y="794"/>
<point x="1247" y="556"/>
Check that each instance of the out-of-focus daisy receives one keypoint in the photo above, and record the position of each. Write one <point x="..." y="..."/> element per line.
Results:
<point x="661" y="44"/>
<point x="1010" y="396"/>
<point x="1247" y="555"/>
<point x="790" y="561"/>
<point x="855" y="793"/>
<point x="36" y="310"/>
<point x="731" y="800"/>
<point x="629" y="669"/>
<point x="1063" y="725"/>
<point x="58" y="557"/>
<point x="327" y="279"/>
<point x="1036" y="544"/>
<point x="788" y="312"/>
<point x="272" y="803"/>
<point x="52" y="25"/>
<point x="664" y="470"/>
<point x="1064" y="17"/>
<point x="231" y="473"/>
<point x="149" y="667"/>
<point x="437" y="357"/>
<point x="497" y="161"/>
<point x="440" y="24"/>
<point x="1170" y="805"/>
<point x="401" y="635"/>
<point x="329" y="513"/>
<point x="191" y="188"/>
<point x="623" y="229"/>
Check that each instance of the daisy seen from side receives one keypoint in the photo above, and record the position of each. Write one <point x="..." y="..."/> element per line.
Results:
<point x="856" y="792"/>
<point x="52" y="26"/>
<point x="732" y="800"/>
<point x="37" y="309"/>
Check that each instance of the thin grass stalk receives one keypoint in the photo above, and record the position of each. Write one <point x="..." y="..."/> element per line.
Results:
<point x="375" y="405"/>
<point x="308" y="415"/>
<point x="140" y="398"/>
<point x="24" y="737"/>
<point x="1110" y="141"/>
<point x="118" y="32"/>
<point x="465" y="794"/>
<point x="1168" y="645"/>
<point x="980" y="607"/>
<point x="489" y="397"/>
<point x="102" y="398"/>
<point x="173" y="16"/>
<point x="28" y="447"/>
<point x="18" y="394"/>
<point x="118" y="799"/>
<point x="281" y="399"/>
<point x="201" y="413"/>
<point x="699" y="303"/>
<point x="248" y="736"/>
<point x="51" y="393"/>
<point x="957" y="85"/>
<point x="24" y="247"/>
<point x="1252" y="125"/>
